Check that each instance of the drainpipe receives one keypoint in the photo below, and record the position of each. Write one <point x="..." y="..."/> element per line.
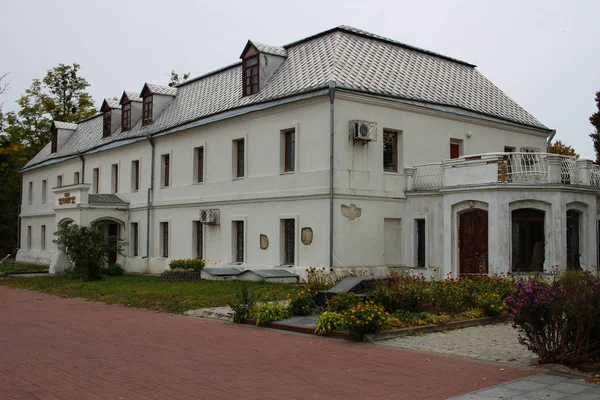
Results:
<point x="19" y="214"/>
<point x="331" y="142"/>
<point x="549" y="141"/>
<point x="80" y="155"/>
<point x="150" y="194"/>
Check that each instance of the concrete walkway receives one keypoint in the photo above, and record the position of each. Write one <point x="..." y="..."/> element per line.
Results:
<point x="53" y="348"/>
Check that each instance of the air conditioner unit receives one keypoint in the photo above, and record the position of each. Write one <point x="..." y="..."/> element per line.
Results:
<point x="210" y="216"/>
<point x="364" y="131"/>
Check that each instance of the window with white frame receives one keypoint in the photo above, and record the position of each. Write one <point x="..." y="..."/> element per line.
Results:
<point x="28" y="237"/>
<point x="43" y="237"/>
<point x="420" y="242"/>
<point x="164" y="239"/>
<point x="135" y="175"/>
<point x="239" y="158"/>
<point x="238" y="241"/>
<point x="135" y="239"/>
<point x="115" y="178"/>
<point x="288" y="140"/>
<point x="59" y="181"/>
<point x="289" y="241"/>
<point x="199" y="164"/>
<point x="30" y="193"/>
<point x="96" y="180"/>
<point x="165" y="170"/>
<point x="44" y="190"/>
<point x="76" y="177"/>
<point x="198" y="239"/>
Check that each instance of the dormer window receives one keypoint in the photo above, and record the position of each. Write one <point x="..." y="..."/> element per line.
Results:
<point x="126" y="117"/>
<point x="54" y="146"/>
<point x="106" y="124"/>
<point x="147" y="111"/>
<point x="250" y="75"/>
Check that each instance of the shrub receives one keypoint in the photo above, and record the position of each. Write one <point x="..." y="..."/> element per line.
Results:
<point x="474" y="313"/>
<point x="420" y="318"/>
<point x="365" y="318"/>
<point x="113" y="270"/>
<point x="243" y="303"/>
<point x="452" y="295"/>
<point x="402" y="292"/>
<point x="87" y="248"/>
<point x="559" y="320"/>
<point x="329" y="321"/>
<point x="268" y="312"/>
<point x="302" y="302"/>
<point x="490" y="303"/>
<point x="195" y="264"/>
<point x="318" y="279"/>
<point x="342" y="302"/>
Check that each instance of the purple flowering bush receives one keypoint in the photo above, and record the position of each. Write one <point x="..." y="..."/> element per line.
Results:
<point x="558" y="320"/>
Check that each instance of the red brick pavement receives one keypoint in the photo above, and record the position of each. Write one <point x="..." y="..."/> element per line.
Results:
<point x="53" y="348"/>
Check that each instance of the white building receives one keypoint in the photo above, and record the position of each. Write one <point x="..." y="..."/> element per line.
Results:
<point x="343" y="149"/>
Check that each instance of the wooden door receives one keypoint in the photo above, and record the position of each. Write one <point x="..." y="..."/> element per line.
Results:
<point x="473" y="242"/>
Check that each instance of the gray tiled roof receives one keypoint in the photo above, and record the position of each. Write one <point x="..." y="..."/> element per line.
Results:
<point x="105" y="199"/>
<point x="65" y="125"/>
<point x="157" y="89"/>
<point x="265" y="48"/>
<point x="112" y="103"/>
<point x="351" y="58"/>
<point x="132" y="96"/>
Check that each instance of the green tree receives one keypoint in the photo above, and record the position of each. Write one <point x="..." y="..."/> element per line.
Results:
<point x="558" y="147"/>
<point x="595" y="121"/>
<point x="87" y="248"/>
<point x="176" y="80"/>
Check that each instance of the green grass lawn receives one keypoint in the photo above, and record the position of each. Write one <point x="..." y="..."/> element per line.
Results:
<point x="144" y="291"/>
<point x="11" y="266"/>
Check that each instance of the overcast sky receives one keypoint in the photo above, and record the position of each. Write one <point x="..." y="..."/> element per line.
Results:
<point x="543" y="54"/>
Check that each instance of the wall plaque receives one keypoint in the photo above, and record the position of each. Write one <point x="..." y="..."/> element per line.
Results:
<point x="307" y="236"/>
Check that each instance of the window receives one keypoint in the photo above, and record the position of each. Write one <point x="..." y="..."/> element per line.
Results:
<point x="76" y="178"/>
<point x="390" y="151"/>
<point x="528" y="240"/>
<point x="238" y="241"/>
<point x="164" y="239"/>
<point x="135" y="239"/>
<point x="96" y="180"/>
<point x="43" y="237"/>
<point x="29" y="237"/>
<point x="289" y="241"/>
<point x="165" y="169"/>
<point x="238" y="148"/>
<point x="456" y="148"/>
<point x="198" y="236"/>
<point x="420" y="234"/>
<point x="59" y="182"/>
<point x="147" y="111"/>
<point x="289" y="148"/>
<point x="44" y="190"/>
<point x="250" y="77"/>
<point x="135" y="175"/>
<point x="30" y="193"/>
<point x="115" y="178"/>
<point x="126" y="117"/>
<point x="199" y="163"/>
<point x="54" y="145"/>
<point x="106" y="124"/>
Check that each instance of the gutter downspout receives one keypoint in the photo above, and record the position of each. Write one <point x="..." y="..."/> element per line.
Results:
<point x="549" y="141"/>
<point x="331" y="165"/>
<point x="80" y="155"/>
<point x="150" y="195"/>
<point x="19" y="215"/>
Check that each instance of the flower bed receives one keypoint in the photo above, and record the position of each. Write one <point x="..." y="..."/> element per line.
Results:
<point x="181" y="276"/>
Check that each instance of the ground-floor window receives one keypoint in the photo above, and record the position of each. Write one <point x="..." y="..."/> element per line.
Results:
<point x="420" y="242"/>
<point x="573" y="245"/>
<point x="28" y="237"/>
<point x="289" y="241"/>
<point x="198" y="238"/>
<point x="528" y="240"/>
<point x="43" y="237"/>
<point x="238" y="241"/>
<point x="164" y="239"/>
<point x="135" y="239"/>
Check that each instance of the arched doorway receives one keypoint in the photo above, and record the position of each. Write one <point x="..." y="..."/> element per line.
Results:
<point x="473" y="242"/>
<point x="528" y="240"/>
<point x="573" y="247"/>
<point x="114" y="228"/>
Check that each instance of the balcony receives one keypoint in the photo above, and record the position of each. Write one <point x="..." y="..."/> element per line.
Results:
<point x="505" y="168"/>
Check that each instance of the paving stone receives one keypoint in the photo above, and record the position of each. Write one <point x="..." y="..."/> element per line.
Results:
<point x="572" y="388"/>
<point x="525" y="386"/>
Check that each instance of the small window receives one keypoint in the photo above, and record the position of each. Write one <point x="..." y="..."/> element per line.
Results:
<point x="30" y="193"/>
<point x="456" y="149"/>
<point x="390" y="151"/>
<point x="54" y="145"/>
<point x="289" y="241"/>
<point x="126" y="117"/>
<point x="28" y="237"/>
<point x="135" y="175"/>
<point x="76" y="178"/>
<point x="147" y="111"/>
<point x="135" y="239"/>
<point x="199" y="164"/>
<point x="420" y="242"/>
<point x="106" y="123"/>
<point x="165" y="170"/>
<point x="43" y="237"/>
<point x="250" y="77"/>
<point x="164" y="239"/>
<point x="96" y="180"/>
<point x="238" y="148"/>
<point x="238" y="241"/>
<point x="115" y="178"/>
<point x="289" y="149"/>
<point x="59" y="181"/>
<point x="198" y="237"/>
<point x="44" y="190"/>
